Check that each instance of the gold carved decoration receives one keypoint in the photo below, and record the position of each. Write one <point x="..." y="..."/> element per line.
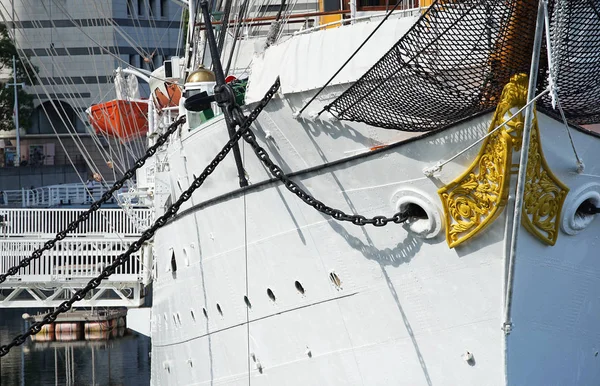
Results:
<point x="544" y="194"/>
<point x="473" y="200"/>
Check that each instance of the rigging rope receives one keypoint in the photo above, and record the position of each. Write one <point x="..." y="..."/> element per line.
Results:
<point x="57" y="66"/>
<point x="245" y="132"/>
<point x="149" y="233"/>
<point x="97" y="204"/>
<point x="453" y="63"/>
<point x="347" y="61"/>
<point x="552" y="86"/>
<point x="430" y="171"/>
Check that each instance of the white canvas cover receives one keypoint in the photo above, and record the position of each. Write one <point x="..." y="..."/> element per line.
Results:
<point x="307" y="61"/>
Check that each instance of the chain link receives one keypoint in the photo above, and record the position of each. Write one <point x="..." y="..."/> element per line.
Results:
<point x="249" y="137"/>
<point x="96" y="205"/>
<point x="149" y="233"/>
<point x="337" y="214"/>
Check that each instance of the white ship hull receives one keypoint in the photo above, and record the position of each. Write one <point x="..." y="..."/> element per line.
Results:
<point x="408" y="310"/>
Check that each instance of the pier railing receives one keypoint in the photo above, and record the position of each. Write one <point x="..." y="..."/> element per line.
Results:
<point x="59" y="272"/>
<point x="46" y="222"/>
<point x="55" y="195"/>
<point x="73" y="261"/>
<point x="70" y="259"/>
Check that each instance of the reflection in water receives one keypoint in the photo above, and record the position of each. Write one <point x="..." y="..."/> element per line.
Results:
<point x="114" y="362"/>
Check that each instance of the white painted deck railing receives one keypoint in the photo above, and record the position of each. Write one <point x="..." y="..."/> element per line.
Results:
<point x="70" y="259"/>
<point x="45" y="223"/>
<point x="54" y="195"/>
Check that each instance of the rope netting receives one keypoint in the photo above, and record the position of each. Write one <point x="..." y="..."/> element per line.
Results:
<point x="454" y="62"/>
<point x="575" y="59"/>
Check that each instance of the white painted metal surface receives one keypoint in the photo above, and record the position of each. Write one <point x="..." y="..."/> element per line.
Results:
<point x="335" y="304"/>
<point x="305" y="62"/>
<point x="404" y="302"/>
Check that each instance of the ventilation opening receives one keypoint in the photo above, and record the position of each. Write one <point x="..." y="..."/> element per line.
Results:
<point x="204" y="312"/>
<point x="415" y="211"/>
<point x="299" y="287"/>
<point x="335" y="279"/>
<point x="247" y="301"/>
<point x="219" y="309"/>
<point x="173" y="263"/>
<point x="193" y="316"/>
<point x="270" y="294"/>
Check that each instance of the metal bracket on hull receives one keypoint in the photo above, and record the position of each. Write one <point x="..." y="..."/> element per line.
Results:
<point x="474" y="200"/>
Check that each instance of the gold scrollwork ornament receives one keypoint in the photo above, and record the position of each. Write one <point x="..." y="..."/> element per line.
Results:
<point x="476" y="198"/>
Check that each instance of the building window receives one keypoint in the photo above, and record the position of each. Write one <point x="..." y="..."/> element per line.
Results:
<point x="378" y="5"/>
<point x="152" y="11"/>
<point x="129" y="7"/>
<point x="134" y="60"/>
<point x="163" y="8"/>
<point x="157" y="61"/>
<point x="141" y="8"/>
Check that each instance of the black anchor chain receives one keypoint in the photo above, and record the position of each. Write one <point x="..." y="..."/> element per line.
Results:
<point x="148" y="234"/>
<point x="96" y="205"/>
<point x="337" y="214"/>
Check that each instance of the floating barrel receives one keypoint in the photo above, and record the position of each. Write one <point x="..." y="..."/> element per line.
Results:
<point x="99" y="330"/>
<point x="66" y="332"/>
<point x="46" y="334"/>
<point x="103" y="325"/>
<point x="97" y="334"/>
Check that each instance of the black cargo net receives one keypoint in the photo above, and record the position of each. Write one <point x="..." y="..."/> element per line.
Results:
<point x="454" y="62"/>
<point x="575" y="59"/>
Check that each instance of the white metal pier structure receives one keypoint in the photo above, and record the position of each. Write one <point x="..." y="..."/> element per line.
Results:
<point x="54" y="277"/>
<point x="55" y="195"/>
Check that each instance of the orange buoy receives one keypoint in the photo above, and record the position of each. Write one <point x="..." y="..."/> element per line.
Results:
<point x="120" y="118"/>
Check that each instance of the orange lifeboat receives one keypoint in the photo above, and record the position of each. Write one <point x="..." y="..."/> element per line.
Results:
<point x="120" y="118"/>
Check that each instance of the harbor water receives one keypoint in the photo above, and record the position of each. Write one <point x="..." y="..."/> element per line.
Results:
<point x="120" y="361"/>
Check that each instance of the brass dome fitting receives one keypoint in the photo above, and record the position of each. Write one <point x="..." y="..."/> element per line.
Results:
<point x="202" y="74"/>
